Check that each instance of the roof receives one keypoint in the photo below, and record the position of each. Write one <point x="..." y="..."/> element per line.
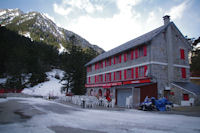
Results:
<point x="130" y="44"/>
<point x="191" y="87"/>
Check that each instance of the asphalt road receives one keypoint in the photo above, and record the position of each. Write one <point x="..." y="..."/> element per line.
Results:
<point x="36" y="115"/>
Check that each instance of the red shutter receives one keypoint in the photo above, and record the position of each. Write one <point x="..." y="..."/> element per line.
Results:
<point x="125" y="57"/>
<point x="105" y="63"/>
<point x="145" y="70"/>
<point x="182" y="52"/>
<point x="132" y="73"/>
<point x="114" y="75"/>
<point x="125" y="74"/>
<point x="109" y="76"/>
<point x="131" y="54"/>
<point x="110" y="61"/>
<point x="114" y="59"/>
<point x="89" y="81"/>
<point x="183" y="71"/>
<point x="120" y="75"/>
<point x="145" y="50"/>
<point x="136" y="53"/>
<point x="105" y="78"/>
<point x="185" y="97"/>
<point x="87" y="69"/>
<point x="120" y="58"/>
<point x="136" y="72"/>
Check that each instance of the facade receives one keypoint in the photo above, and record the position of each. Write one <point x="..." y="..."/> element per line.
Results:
<point x="149" y="65"/>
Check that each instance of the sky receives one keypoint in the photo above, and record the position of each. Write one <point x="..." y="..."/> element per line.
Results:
<point x="110" y="23"/>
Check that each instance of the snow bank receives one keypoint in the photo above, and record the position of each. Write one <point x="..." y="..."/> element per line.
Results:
<point x="48" y="88"/>
<point x="3" y="100"/>
<point x="3" y="80"/>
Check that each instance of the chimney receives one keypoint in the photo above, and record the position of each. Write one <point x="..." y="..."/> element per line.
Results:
<point x="166" y="19"/>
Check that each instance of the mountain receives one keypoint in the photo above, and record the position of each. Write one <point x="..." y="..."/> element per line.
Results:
<point x="38" y="27"/>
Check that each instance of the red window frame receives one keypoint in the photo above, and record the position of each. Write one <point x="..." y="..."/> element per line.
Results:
<point x="136" y="72"/>
<point x="182" y="54"/>
<point x="145" y="50"/>
<point x="136" y="53"/>
<point x="89" y="80"/>
<point x="183" y="73"/>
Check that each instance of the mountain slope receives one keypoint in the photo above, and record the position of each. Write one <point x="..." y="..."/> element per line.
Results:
<point x="40" y="28"/>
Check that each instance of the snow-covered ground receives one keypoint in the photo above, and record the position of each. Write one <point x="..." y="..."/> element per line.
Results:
<point x="128" y="121"/>
<point x="48" y="88"/>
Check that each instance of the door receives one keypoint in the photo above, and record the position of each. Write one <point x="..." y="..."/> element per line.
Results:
<point x="121" y="96"/>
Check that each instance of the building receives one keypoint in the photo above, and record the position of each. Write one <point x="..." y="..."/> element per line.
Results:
<point x="154" y="64"/>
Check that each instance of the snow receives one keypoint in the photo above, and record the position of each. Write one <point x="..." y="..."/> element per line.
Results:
<point x="48" y="88"/>
<point x="3" y="80"/>
<point x="128" y="121"/>
<point x="28" y="35"/>
<point x="2" y="12"/>
<point x="3" y="100"/>
<point x="61" y="49"/>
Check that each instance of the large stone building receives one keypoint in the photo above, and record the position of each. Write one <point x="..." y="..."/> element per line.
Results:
<point x="154" y="64"/>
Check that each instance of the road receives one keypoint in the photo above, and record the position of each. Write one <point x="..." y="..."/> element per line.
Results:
<point x="36" y="115"/>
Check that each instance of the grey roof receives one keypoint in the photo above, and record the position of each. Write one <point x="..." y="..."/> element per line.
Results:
<point x="130" y="44"/>
<point x="189" y="86"/>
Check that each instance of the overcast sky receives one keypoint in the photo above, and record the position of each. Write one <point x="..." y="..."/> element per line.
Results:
<point x="109" y="23"/>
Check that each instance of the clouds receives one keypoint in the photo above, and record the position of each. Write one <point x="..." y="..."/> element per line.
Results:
<point x="177" y="12"/>
<point x="109" y="23"/>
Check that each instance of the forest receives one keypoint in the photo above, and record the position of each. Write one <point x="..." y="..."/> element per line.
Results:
<point x="21" y="58"/>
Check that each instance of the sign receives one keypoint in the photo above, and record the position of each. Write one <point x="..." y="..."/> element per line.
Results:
<point x="137" y="81"/>
<point x="108" y="85"/>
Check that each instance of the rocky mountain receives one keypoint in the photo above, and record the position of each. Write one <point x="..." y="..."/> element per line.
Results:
<point x="38" y="27"/>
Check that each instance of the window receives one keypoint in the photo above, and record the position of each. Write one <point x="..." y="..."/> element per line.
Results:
<point x="136" y="72"/>
<point x="185" y="97"/>
<point x="141" y="51"/>
<point x="136" y="53"/>
<point x="125" y="72"/>
<point x="125" y="57"/>
<point x="129" y="74"/>
<point x="145" y="50"/>
<point x="89" y="68"/>
<point x="182" y="54"/>
<point x="89" y="80"/>
<point x="108" y="62"/>
<point x="101" y="78"/>
<point x="108" y="76"/>
<point x="143" y="71"/>
<point x="118" y="75"/>
<point x="183" y="72"/>
<point x="130" y="55"/>
<point x="101" y="64"/>
<point x="117" y="59"/>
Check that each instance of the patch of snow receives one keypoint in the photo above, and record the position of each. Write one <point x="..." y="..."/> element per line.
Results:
<point x="128" y="121"/>
<point x="28" y="35"/>
<point x="41" y="39"/>
<point x="61" y="49"/>
<point x="48" y="88"/>
<point x="3" y="80"/>
<point x="3" y="100"/>
<point x="2" y="12"/>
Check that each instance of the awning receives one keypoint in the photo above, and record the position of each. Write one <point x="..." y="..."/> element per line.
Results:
<point x="188" y="86"/>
